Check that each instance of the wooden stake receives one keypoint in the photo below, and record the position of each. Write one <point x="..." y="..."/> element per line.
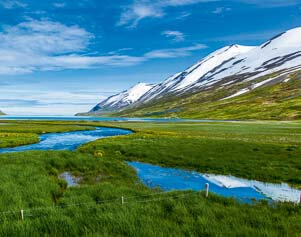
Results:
<point x="22" y="215"/>
<point x="207" y="189"/>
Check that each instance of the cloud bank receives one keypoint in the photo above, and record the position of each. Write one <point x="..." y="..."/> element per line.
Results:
<point x="174" y="35"/>
<point x="43" y="45"/>
<point x="141" y="9"/>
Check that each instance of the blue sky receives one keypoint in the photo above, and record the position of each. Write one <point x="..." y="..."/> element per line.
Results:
<point x="61" y="57"/>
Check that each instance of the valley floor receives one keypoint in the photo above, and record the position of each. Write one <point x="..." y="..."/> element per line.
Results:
<point x="266" y="151"/>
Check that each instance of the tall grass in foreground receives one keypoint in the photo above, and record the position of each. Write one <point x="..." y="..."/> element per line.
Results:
<point x="30" y="181"/>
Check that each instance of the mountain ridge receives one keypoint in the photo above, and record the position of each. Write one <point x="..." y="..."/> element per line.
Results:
<point x="230" y="67"/>
<point x="121" y="100"/>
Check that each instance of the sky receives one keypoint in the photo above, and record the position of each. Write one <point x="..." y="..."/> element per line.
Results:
<point x="60" y="57"/>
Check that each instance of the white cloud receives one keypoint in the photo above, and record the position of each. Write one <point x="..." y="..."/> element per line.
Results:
<point x="59" y="4"/>
<point x="220" y="10"/>
<point x="137" y="12"/>
<point x="271" y="3"/>
<point x="45" y="37"/>
<point x="174" y="52"/>
<point x="120" y="51"/>
<point x="183" y="15"/>
<point x="23" y="102"/>
<point x="176" y="36"/>
<point x="44" y="45"/>
<point x="263" y="36"/>
<point x="10" y="4"/>
<point x="49" y="46"/>
<point x="141" y="9"/>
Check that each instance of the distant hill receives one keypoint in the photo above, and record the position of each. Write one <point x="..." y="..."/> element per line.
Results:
<point x="1" y="113"/>
<point x="234" y="82"/>
<point x="121" y="100"/>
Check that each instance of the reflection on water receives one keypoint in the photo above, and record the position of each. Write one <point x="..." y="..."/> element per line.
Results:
<point x="228" y="186"/>
<point x="71" y="180"/>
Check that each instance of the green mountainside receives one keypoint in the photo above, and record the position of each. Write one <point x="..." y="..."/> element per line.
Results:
<point x="279" y="100"/>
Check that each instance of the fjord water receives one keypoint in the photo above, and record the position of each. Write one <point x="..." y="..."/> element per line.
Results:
<point x="68" y="140"/>
<point x="99" y="119"/>
<point x="169" y="179"/>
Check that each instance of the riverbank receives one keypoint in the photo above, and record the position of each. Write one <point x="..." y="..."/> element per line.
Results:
<point x="265" y="151"/>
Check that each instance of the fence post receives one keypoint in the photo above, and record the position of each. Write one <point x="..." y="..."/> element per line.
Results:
<point x="122" y="200"/>
<point x="207" y="189"/>
<point x="22" y="215"/>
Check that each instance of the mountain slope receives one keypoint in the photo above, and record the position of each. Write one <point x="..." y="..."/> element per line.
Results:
<point x="229" y="74"/>
<point x="183" y="81"/>
<point x="277" y="99"/>
<point x="1" y="113"/>
<point x="121" y="100"/>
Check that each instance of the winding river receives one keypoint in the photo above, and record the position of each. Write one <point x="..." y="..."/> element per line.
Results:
<point x="68" y="140"/>
<point x="169" y="179"/>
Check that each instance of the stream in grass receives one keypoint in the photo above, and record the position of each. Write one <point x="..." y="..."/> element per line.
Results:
<point x="166" y="179"/>
<point x="68" y="140"/>
<point x="169" y="179"/>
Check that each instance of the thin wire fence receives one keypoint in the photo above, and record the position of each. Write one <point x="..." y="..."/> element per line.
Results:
<point x="154" y="197"/>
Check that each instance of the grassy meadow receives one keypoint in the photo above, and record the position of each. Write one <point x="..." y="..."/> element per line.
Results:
<point x="268" y="151"/>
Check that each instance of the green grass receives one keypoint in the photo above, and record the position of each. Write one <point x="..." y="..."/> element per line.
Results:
<point x="29" y="181"/>
<point x="39" y="127"/>
<point x="17" y="139"/>
<point x="263" y="150"/>
<point x="21" y="133"/>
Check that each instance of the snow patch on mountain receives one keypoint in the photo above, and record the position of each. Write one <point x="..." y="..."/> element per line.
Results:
<point x="124" y="98"/>
<point x="209" y="63"/>
<point x="262" y="83"/>
<point x="240" y="92"/>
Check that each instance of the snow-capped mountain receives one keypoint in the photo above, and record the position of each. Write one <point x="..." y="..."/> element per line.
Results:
<point x="226" y="66"/>
<point x="282" y="52"/>
<point x="123" y="99"/>
<point x="184" y="80"/>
